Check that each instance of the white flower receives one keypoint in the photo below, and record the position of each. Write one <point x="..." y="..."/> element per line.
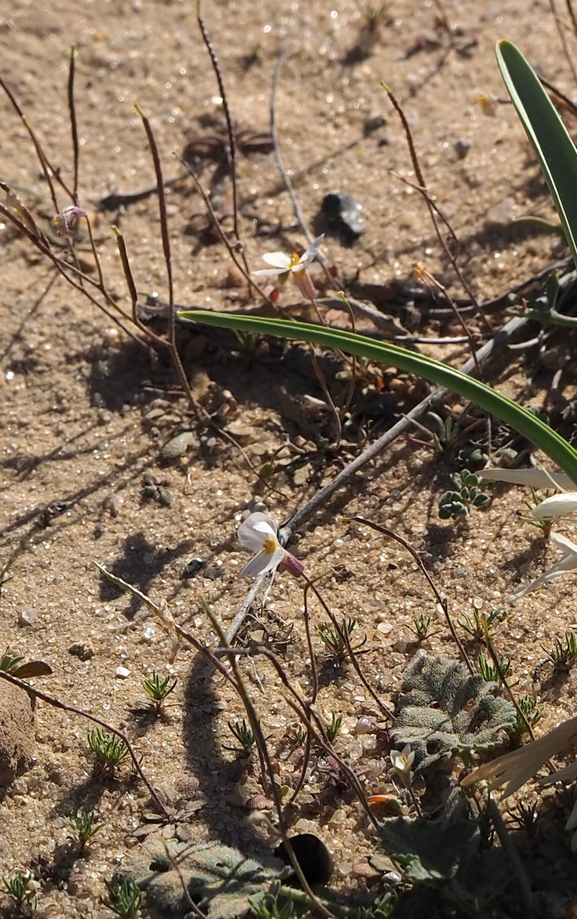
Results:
<point x="286" y="265"/>
<point x="402" y="762"/>
<point x="568" y="562"/>
<point x="258" y="533"/>
<point x="556" y="505"/>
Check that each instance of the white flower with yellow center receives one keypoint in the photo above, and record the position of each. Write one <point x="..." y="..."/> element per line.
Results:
<point x="284" y="266"/>
<point x="258" y="533"/>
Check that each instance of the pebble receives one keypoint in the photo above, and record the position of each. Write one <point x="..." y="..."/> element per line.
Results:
<point x="27" y="616"/>
<point x="363" y="725"/>
<point x="122" y="672"/>
<point x="177" y="446"/>
<point x="342" y="215"/>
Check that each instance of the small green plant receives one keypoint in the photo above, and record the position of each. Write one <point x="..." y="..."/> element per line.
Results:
<point x="479" y="623"/>
<point x="243" y="733"/>
<point x="335" y="726"/>
<point x="108" y="749"/>
<point x="381" y="908"/>
<point x="125" y="898"/>
<point x="461" y="502"/>
<point x="333" y="637"/>
<point x="158" y="689"/>
<point x="9" y="662"/>
<point x="300" y="735"/>
<point x="526" y="817"/>
<point x="528" y="705"/>
<point x="547" y="522"/>
<point x="490" y="672"/>
<point x="22" y="887"/>
<point x="85" y="825"/>
<point x="421" y="625"/>
<point x="274" y="906"/>
<point x="564" y="651"/>
<point x="4" y="578"/>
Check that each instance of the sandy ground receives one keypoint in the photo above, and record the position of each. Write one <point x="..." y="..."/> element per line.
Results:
<point x="87" y="411"/>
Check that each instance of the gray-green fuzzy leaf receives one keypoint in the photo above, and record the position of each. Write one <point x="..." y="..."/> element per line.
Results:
<point x="220" y="879"/>
<point x="443" y="710"/>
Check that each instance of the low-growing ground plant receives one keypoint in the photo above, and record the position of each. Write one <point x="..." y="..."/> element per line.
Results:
<point x="124" y="898"/>
<point x="109" y="751"/>
<point x="85" y="825"/>
<point x="158" y="689"/>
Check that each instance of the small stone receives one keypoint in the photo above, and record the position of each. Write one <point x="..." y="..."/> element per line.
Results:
<point x="363" y="725"/>
<point x="165" y="497"/>
<point x="177" y="446"/>
<point x="122" y="673"/>
<point x="27" y="617"/>
<point x="193" y="568"/>
<point x="81" y="651"/>
<point x="259" y="803"/>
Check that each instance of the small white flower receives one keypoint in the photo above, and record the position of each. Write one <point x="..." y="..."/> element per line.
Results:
<point x="568" y="562"/>
<point x="286" y="265"/>
<point x="402" y="762"/>
<point x="258" y="533"/>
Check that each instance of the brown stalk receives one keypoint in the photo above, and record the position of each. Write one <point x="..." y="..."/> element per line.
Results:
<point x="433" y="210"/>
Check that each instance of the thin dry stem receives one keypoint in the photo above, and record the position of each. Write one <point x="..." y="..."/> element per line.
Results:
<point x="72" y="709"/>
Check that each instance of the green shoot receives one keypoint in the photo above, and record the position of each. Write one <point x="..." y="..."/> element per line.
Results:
<point x="85" y="825"/>
<point x="535" y="429"/>
<point x="421" y="625"/>
<point x="479" y="623"/>
<point x="489" y="671"/>
<point x="333" y="637"/>
<point x="158" y="689"/>
<point x="125" y="898"/>
<point x="274" y="906"/>
<point x="9" y="661"/>
<point x="564" y="651"/>
<point x="242" y="732"/>
<point x="528" y="705"/>
<point x="335" y="726"/>
<point x="108" y="749"/>
<point x="526" y="817"/>
<point x="23" y="889"/>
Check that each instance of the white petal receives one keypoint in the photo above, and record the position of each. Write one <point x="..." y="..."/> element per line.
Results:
<point x="556" y="506"/>
<point x="277" y="260"/>
<point x="264" y="561"/>
<point x="564" y="544"/>
<point x="268" y="272"/>
<point x="310" y="255"/>
<point x="255" y="530"/>
<point x="563" y="566"/>
<point x="534" y="478"/>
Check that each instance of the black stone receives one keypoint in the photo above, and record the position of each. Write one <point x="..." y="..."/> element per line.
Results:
<point x="312" y="855"/>
<point x="342" y="216"/>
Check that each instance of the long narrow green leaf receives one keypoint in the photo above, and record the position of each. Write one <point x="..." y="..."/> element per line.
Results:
<point x="492" y="401"/>
<point x="554" y="148"/>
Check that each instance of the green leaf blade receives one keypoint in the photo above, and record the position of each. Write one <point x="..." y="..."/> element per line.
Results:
<point x="518" y="417"/>
<point x="548" y="135"/>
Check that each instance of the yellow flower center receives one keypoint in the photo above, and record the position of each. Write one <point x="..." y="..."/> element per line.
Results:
<point x="269" y="545"/>
<point x="295" y="259"/>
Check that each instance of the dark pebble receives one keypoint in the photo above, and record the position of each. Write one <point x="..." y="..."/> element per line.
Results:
<point x="312" y="855"/>
<point x="342" y="216"/>
<point x="193" y="568"/>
